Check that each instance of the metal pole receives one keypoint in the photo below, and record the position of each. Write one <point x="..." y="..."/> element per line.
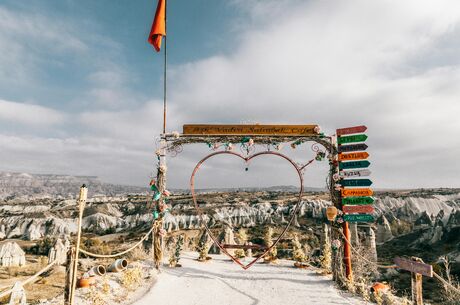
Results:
<point x="164" y="72"/>
<point x="81" y="205"/>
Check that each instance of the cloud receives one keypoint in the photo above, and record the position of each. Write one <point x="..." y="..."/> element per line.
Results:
<point x="343" y="63"/>
<point x="337" y="63"/>
<point x="29" y="114"/>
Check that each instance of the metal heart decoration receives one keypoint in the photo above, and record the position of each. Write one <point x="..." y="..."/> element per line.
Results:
<point x="246" y="159"/>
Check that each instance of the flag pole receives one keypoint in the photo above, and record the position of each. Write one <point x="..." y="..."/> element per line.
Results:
<point x="164" y="72"/>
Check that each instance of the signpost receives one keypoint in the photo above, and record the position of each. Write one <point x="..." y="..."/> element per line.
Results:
<point x="358" y="209"/>
<point x="417" y="268"/>
<point x="354" y="164"/>
<point x="350" y="130"/>
<point x="357" y="192"/>
<point x="357" y="200"/>
<point x="352" y="147"/>
<point x="356" y="182"/>
<point x="352" y="139"/>
<point x="414" y="266"/>
<point x="248" y="130"/>
<point x="355" y="173"/>
<point x="358" y="218"/>
<point x="353" y="156"/>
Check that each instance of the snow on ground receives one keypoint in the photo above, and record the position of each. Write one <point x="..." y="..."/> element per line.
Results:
<point x="222" y="282"/>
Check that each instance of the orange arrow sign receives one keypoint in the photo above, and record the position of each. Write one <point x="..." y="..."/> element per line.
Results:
<point x="353" y="156"/>
<point x="356" y="192"/>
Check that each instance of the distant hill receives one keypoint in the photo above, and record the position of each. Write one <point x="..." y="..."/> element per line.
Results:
<point x="15" y="185"/>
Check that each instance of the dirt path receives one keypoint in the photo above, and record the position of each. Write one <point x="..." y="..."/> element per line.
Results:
<point x="221" y="282"/>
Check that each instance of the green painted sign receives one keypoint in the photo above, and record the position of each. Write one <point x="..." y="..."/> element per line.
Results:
<point x="356" y="182"/>
<point x="354" y="164"/>
<point x="352" y="139"/>
<point x="357" y="200"/>
<point x="358" y="218"/>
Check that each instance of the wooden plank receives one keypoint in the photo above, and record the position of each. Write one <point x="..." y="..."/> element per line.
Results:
<point x="354" y="164"/>
<point x="413" y="266"/>
<point x="351" y="130"/>
<point x="357" y="192"/>
<point x="352" y="147"/>
<point x="358" y="209"/>
<point x="245" y="247"/>
<point x="357" y="200"/>
<point x="355" y="182"/>
<point x="355" y="173"/>
<point x="358" y="218"/>
<point x="352" y="139"/>
<point x="248" y="130"/>
<point x="353" y="156"/>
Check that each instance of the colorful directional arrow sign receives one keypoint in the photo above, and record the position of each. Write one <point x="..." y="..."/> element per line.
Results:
<point x="358" y="209"/>
<point x="350" y="130"/>
<point x="352" y="147"/>
<point x="355" y="173"/>
<point x="358" y="218"/>
<point x="352" y="139"/>
<point x="357" y="200"/>
<point x="354" y="164"/>
<point x="353" y="156"/>
<point x="357" y="192"/>
<point x="356" y="182"/>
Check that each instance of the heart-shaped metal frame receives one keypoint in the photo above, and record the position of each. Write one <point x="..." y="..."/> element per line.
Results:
<point x="246" y="159"/>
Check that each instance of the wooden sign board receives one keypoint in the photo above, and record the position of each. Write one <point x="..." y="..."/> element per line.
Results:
<point x="357" y="192"/>
<point x="413" y="266"/>
<point x="353" y="156"/>
<point x="357" y="200"/>
<point x="358" y="209"/>
<point x="248" y="130"/>
<point x="355" y="182"/>
<point x="355" y="173"/>
<point x="354" y="164"/>
<point x="350" y="130"/>
<point x="352" y="139"/>
<point x="352" y="147"/>
<point x="358" y="218"/>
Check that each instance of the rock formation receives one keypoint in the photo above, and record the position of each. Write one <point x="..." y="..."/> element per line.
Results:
<point x="11" y="255"/>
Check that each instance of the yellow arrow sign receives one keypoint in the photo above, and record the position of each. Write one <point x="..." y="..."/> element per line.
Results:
<point x="353" y="156"/>
<point x="356" y="192"/>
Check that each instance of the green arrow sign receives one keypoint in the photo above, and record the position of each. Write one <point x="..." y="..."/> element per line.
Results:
<point x="354" y="164"/>
<point x="352" y="139"/>
<point x="358" y="218"/>
<point x="357" y="200"/>
<point x="356" y="182"/>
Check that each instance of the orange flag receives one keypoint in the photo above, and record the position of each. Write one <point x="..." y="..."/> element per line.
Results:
<point x="158" y="26"/>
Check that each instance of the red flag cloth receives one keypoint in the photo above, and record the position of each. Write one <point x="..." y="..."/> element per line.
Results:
<point x="158" y="26"/>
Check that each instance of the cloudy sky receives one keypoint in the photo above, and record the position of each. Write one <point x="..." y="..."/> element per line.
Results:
<point x="81" y="89"/>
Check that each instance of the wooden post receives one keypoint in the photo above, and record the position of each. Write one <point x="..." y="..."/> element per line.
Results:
<point x="347" y="252"/>
<point x="81" y="205"/>
<point x="416" y="284"/>
<point x="69" y="275"/>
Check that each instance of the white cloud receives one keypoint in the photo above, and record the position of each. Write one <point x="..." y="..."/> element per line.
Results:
<point x="341" y="63"/>
<point x="29" y="114"/>
<point x="393" y="67"/>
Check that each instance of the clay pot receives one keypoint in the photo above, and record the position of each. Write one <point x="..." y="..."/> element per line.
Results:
<point x="85" y="282"/>
<point x="379" y="287"/>
<point x="118" y="265"/>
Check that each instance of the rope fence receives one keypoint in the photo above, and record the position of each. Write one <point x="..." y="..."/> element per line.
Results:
<point x="122" y="252"/>
<point x="30" y="279"/>
<point x="437" y="276"/>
